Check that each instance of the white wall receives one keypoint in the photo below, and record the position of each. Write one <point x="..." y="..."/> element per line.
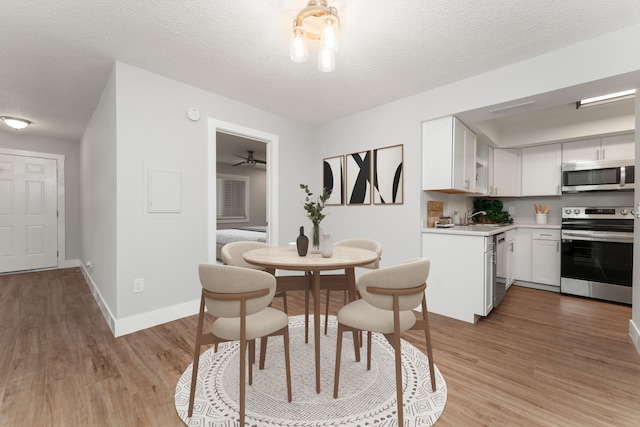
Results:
<point x="98" y="197"/>
<point x="71" y="150"/>
<point x="153" y="132"/>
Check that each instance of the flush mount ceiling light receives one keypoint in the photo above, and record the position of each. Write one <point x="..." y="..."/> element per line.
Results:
<point x="604" y="99"/>
<point x="15" y="122"/>
<point x="317" y="21"/>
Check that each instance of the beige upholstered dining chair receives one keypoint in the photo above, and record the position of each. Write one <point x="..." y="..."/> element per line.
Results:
<point x="231" y="254"/>
<point x="389" y="296"/>
<point x="360" y="243"/>
<point x="239" y="300"/>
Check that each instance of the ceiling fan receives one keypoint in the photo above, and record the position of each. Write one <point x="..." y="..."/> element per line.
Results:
<point x="249" y="160"/>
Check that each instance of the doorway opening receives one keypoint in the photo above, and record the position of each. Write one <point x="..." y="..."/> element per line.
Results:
<point x="242" y="159"/>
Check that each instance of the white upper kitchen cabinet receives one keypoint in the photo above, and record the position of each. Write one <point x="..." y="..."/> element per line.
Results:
<point x="448" y="156"/>
<point x="609" y="148"/>
<point x="541" y="170"/>
<point x="505" y="171"/>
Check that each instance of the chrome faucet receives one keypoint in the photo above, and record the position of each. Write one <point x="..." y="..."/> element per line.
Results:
<point x="468" y="217"/>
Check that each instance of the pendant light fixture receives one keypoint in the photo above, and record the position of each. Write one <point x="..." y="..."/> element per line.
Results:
<point x="320" y="22"/>
<point x="15" y="122"/>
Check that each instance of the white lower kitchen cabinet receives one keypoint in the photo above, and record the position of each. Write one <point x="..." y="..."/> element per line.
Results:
<point x="538" y="258"/>
<point x="459" y="283"/>
<point x="524" y="239"/>
<point x="545" y="257"/>
<point x="510" y="258"/>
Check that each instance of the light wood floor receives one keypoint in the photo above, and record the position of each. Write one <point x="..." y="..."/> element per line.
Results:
<point x="540" y="359"/>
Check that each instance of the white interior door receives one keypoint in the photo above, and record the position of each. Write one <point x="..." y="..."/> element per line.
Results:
<point x="28" y="213"/>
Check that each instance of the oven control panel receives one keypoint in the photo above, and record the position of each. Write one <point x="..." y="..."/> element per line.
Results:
<point x="609" y="212"/>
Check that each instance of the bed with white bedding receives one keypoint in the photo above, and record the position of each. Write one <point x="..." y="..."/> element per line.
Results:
<point x="255" y="233"/>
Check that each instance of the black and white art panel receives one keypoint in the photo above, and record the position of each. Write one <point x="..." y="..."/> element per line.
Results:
<point x="359" y="178"/>
<point x="333" y="179"/>
<point x="388" y="175"/>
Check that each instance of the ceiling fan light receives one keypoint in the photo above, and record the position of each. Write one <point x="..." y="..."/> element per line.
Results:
<point x="15" y="122"/>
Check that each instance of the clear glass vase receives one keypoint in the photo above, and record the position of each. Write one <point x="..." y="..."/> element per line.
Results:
<point x="315" y="241"/>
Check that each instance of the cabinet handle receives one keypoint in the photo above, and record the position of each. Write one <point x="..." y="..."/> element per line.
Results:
<point x="597" y="154"/>
<point x="558" y="189"/>
<point x="558" y="247"/>
<point x="466" y="184"/>
<point x="603" y="157"/>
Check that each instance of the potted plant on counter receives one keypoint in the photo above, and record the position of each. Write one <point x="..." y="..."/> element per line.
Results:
<point x="494" y="209"/>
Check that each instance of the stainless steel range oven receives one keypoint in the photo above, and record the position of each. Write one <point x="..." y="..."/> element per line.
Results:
<point x="597" y="252"/>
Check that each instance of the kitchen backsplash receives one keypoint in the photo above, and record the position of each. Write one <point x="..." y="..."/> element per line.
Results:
<point x="522" y="207"/>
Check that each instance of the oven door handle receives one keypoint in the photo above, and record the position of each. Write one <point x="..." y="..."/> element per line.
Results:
<point x="598" y="236"/>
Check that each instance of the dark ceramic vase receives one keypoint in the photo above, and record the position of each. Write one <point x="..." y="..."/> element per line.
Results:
<point x="302" y="243"/>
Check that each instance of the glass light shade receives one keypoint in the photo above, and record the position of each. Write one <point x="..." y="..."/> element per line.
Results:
<point x="16" y="123"/>
<point x="326" y="59"/>
<point x="298" y="50"/>
<point x="329" y="35"/>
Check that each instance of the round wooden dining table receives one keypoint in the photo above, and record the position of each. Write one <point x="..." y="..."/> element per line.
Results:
<point x="343" y="257"/>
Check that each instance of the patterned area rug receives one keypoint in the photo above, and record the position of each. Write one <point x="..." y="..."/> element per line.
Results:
<point x="366" y="398"/>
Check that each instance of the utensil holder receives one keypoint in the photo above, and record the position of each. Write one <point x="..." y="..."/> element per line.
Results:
<point x="541" y="218"/>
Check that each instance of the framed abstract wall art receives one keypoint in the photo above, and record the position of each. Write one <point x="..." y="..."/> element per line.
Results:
<point x="388" y="175"/>
<point x="333" y="179"/>
<point x="358" y="167"/>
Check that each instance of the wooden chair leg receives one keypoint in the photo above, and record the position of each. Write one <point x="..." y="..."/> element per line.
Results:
<point x="336" y="378"/>
<point x="326" y="312"/>
<point x="287" y="361"/>
<point x="427" y="338"/>
<point x="196" y="358"/>
<point x="306" y="315"/>
<point x="252" y="356"/>
<point x="368" y="350"/>
<point x="284" y="302"/>
<point x="243" y="357"/>
<point x="395" y="342"/>
<point x="263" y="352"/>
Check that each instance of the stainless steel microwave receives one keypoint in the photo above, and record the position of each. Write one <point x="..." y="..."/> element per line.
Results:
<point x="598" y="175"/>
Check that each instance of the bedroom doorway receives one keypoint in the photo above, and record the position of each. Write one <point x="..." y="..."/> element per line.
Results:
<point x="242" y="163"/>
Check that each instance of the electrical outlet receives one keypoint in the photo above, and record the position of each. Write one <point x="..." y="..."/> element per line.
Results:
<point x="138" y="285"/>
<point x="512" y="210"/>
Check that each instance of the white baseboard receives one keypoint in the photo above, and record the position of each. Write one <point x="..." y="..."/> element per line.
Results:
<point x="156" y="317"/>
<point x="106" y="313"/>
<point x="141" y="321"/>
<point x="634" y="332"/>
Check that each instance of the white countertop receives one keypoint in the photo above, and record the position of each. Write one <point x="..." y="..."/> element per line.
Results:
<point x="487" y="230"/>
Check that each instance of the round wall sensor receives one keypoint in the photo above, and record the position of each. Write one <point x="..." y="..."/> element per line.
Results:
<point x="193" y="114"/>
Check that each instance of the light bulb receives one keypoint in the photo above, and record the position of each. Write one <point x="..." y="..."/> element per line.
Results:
<point x="329" y="36"/>
<point x="298" y="50"/>
<point x="326" y="59"/>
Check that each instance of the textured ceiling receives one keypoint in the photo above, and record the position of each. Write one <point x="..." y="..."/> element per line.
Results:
<point x="57" y="55"/>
